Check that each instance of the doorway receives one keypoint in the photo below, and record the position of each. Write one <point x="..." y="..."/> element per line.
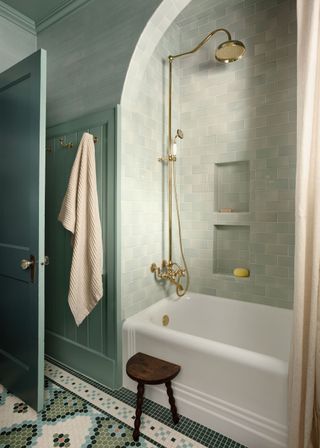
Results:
<point x="93" y="349"/>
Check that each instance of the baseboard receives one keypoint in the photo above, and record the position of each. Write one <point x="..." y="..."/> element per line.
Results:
<point x="72" y="354"/>
<point x="239" y="424"/>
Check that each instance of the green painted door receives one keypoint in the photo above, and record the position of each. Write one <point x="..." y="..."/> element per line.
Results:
<point x="22" y="173"/>
<point x="92" y="348"/>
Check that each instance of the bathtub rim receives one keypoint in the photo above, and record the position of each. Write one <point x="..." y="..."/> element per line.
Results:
<point x="141" y="321"/>
<point x="231" y="352"/>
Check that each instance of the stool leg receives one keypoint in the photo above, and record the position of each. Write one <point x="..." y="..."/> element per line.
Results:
<point x="136" y="432"/>
<point x="175" y="416"/>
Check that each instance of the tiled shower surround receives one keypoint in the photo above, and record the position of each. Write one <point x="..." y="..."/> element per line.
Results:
<point x="239" y="123"/>
<point x="143" y="189"/>
<point x="239" y="150"/>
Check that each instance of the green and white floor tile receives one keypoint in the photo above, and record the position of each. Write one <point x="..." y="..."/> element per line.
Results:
<point x="82" y="414"/>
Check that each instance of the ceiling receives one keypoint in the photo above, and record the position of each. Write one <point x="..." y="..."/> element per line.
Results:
<point x="37" y="10"/>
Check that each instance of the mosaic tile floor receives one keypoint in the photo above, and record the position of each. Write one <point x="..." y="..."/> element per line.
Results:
<point x="78" y="414"/>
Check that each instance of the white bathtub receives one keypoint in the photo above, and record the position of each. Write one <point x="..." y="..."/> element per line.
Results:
<point x="234" y="359"/>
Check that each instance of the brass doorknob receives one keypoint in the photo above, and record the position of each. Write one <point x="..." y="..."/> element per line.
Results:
<point x="26" y="264"/>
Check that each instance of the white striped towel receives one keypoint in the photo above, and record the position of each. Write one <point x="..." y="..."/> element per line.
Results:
<point x="80" y="215"/>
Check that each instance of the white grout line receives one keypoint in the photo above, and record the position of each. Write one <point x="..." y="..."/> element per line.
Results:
<point x="120" y="410"/>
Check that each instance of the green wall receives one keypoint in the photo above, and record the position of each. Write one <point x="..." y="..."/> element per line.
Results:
<point x="15" y="43"/>
<point x="88" y="57"/>
<point x="89" y="53"/>
<point x="93" y="348"/>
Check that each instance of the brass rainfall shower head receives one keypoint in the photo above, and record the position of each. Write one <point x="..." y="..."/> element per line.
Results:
<point x="230" y="51"/>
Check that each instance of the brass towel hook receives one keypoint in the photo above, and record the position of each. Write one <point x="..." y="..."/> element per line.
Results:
<point x="69" y="145"/>
<point x="65" y="145"/>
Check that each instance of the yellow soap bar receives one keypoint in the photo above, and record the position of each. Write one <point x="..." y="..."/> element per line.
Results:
<point x="241" y="272"/>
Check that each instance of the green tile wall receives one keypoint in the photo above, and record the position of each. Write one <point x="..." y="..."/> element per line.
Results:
<point x="232" y="186"/>
<point x="239" y="125"/>
<point x="230" y="248"/>
<point x="239" y="149"/>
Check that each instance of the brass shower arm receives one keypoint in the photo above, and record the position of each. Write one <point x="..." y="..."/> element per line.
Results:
<point x="202" y="43"/>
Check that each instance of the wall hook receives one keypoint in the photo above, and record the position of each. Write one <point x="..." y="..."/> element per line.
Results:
<point x="65" y="145"/>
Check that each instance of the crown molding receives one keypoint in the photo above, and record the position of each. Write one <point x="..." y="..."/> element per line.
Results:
<point x="14" y="16"/>
<point x="65" y="9"/>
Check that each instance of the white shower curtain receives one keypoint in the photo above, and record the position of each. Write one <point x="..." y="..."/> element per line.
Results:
<point x="304" y="369"/>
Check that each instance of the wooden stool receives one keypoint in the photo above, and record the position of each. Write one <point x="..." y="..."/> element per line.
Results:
<point x="146" y="369"/>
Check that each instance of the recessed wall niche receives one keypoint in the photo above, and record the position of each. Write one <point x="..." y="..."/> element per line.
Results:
<point x="232" y="186"/>
<point x="230" y="248"/>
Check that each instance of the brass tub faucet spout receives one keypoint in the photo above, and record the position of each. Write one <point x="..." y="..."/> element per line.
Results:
<point x="172" y="272"/>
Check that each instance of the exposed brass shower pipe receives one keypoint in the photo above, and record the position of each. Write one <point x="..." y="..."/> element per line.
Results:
<point x="201" y="44"/>
<point x="228" y="51"/>
<point x="171" y="58"/>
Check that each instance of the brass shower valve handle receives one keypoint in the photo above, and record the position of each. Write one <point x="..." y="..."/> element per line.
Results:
<point x="169" y="271"/>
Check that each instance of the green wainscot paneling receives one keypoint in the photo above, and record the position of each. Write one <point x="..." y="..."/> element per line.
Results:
<point x="93" y="348"/>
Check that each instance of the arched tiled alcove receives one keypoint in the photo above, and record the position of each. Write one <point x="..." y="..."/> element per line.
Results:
<point x="229" y="114"/>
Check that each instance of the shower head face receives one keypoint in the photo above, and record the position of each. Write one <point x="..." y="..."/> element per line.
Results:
<point x="230" y="51"/>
